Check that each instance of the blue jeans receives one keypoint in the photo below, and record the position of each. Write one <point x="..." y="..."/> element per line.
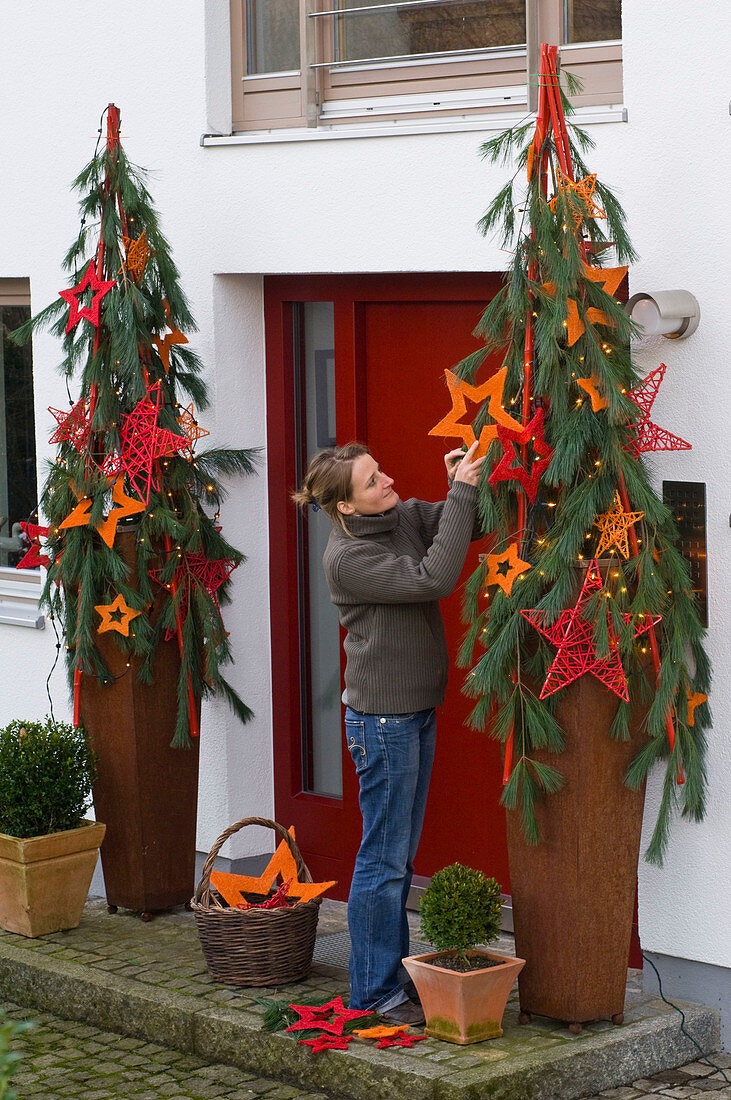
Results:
<point x="393" y="756"/>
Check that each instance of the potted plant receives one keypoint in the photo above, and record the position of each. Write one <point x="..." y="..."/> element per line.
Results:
<point x="48" y="851"/>
<point x="463" y="989"/>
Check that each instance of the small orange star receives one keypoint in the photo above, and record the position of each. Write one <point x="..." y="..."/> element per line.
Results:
<point x="137" y="253"/>
<point x="117" y="607"/>
<point x="590" y="385"/>
<point x="614" y="525"/>
<point x="460" y="392"/>
<point x="585" y="189"/>
<point x="189" y="427"/>
<point x="505" y="578"/>
<point x="694" y="701"/>
<point x="163" y="345"/>
<point x="379" y="1032"/>
<point x="128" y="506"/>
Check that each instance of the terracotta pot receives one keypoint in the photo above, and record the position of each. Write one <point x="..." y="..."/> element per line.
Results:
<point x="463" y="1008"/>
<point x="573" y="894"/>
<point x="44" y="880"/>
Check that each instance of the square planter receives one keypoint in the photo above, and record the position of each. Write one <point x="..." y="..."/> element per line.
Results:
<point x="45" y="880"/>
<point x="463" y="1008"/>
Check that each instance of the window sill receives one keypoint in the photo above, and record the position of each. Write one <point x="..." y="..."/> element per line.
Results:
<point x="584" y="116"/>
<point x="19" y="594"/>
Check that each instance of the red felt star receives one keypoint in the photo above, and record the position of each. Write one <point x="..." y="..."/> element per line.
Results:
<point x="404" y="1041"/>
<point x="510" y="439"/>
<point x="649" y="437"/>
<point x="327" y="1042"/>
<point x="574" y="636"/>
<point x="73" y="427"/>
<point x="313" y="1016"/>
<point x="143" y="442"/>
<point x="89" y="313"/>
<point x="33" y="556"/>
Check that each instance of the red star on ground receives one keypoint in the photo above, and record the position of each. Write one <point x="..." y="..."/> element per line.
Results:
<point x="89" y="313"/>
<point x="143" y="442"/>
<point x="327" y="1042"/>
<point x="404" y="1041"/>
<point x="312" y="1017"/>
<point x="73" y="427"/>
<point x="574" y="636"/>
<point x="33" y="556"/>
<point x="510" y="439"/>
<point x="649" y="436"/>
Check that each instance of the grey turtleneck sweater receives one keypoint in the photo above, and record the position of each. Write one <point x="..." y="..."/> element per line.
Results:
<point x="386" y="583"/>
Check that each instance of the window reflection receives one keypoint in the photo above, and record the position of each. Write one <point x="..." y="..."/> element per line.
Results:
<point x="272" y="36"/>
<point x="592" y="20"/>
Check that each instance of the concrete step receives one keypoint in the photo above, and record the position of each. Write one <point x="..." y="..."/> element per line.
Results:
<point x="149" y="981"/>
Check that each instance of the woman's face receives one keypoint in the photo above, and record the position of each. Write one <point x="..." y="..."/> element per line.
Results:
<point x="371" y="490"/>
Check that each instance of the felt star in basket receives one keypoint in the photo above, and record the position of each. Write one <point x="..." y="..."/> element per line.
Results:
<point x="313" y="1017"/>
<point x="327" y="1042"/>
<point x="401" y="1041"/>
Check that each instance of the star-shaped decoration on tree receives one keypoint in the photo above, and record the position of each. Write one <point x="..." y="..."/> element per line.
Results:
<point x="73" y="427"/>
<point x="210" y="574"/>
<point x="79" y="517"/>
<point x="648" y="436"/>
<point x="89" y="282"/>
<point x="401" y="1041"/>
<point x="327" y="1042"/>
<point x="574" y="637"/>
<point x="614" y="525"/>
<point x="116" y="616"/>
<point x="591" y="387"/>
<point x="33" y="557"/>
<point x="585" y="189"/>
<point x="504" y="568"/>
<point x="137" y="253"/>
<point x="126" y="506"/>
<point x="531" y="434"/>
<point x="610" y="278"/>
<point x="695" y="699"/>
<point x="460" y="392"/>
<point x="143" y="442"/>
<point x="164" y="343"/>
<point x="314" y="1017"/>
<point x="189" y="427"/>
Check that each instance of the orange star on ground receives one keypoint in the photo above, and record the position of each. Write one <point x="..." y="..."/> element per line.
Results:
<point x="117" y="607"/>
<point x="614" y="525"/>
<point x="380" y="1032"/>
<point x="514" y="568"/>
<point x="590" y="386"/>
<point x="231" y="887"/>
<point x="460" y="392"/>
<point x="694" y="701"/>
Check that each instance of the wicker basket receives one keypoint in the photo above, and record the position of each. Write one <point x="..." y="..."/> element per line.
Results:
<point x="259" y="947"/>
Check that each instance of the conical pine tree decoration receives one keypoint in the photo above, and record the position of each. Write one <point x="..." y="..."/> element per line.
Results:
<point x="127" y="448"/>
<point x="565" y="342"/>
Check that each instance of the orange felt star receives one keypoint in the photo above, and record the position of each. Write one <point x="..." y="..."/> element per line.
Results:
<point x="505" y="578"/>
<point x="614" y="525"/>
<point x="590" y="386"/>
<point x="163" y="345"/>
<point x="128" y="506"/>
<point x="694" y="701"/>
<point x="231" y="887"/>
<point x="189" y="426"/>
<point x="380" y="1032"/>
<point x="609" y="277"/>
<point x="117" y="607"/>
<point x="80" y="515"/>
<point x="460" y="392"/>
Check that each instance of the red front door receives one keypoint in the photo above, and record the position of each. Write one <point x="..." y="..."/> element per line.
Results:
<point x="392" y="338"/>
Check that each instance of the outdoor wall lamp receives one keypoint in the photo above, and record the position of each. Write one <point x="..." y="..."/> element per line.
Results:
<point x="671" y="313"/>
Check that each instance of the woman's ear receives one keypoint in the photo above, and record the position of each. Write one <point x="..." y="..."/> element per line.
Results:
<point x="345" y="509"/>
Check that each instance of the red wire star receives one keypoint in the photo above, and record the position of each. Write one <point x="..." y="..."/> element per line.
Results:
<point x="89" y="313"/>
<point x="312" y="1016"/>
<point x="403" y="1041"/>
<point x="649" y="436"/>
<point x="33" y="556"/>
<point x="73" y="427"/>
<point x="143" y="442"/>
<point x="574" y="636"/>
<point x="211" y="574"/>
<point x="327" y="1042"/>
<point x="510" y="439"/>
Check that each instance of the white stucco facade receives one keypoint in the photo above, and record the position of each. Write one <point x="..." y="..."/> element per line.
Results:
<point x="234" y="212"/>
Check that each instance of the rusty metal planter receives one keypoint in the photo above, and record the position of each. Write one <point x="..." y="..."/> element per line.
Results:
<point x="573" y="895"/>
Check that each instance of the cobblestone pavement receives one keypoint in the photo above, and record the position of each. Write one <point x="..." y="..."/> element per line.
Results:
<point x="690" y="1082"/>
<point x="60" y="1060"/>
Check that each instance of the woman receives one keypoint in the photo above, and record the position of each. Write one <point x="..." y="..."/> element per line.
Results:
<point x="388" y="563"/>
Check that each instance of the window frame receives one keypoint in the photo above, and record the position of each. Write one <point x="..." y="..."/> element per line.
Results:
<point x="326" y="94"/>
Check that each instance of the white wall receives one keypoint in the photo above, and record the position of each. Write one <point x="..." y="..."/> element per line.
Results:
<point x="397" y="203"/>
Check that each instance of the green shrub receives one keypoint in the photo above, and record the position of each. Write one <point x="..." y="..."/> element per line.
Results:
<point x="460" y="908"/>
<point x="46" y="774"/>
<point x="9" y="1059"/>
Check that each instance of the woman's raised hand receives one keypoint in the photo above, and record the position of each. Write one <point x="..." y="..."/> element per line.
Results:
<point x="469" y="468"/>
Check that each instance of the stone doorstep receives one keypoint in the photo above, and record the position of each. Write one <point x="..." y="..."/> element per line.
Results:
<point x="592" y="1063"/>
